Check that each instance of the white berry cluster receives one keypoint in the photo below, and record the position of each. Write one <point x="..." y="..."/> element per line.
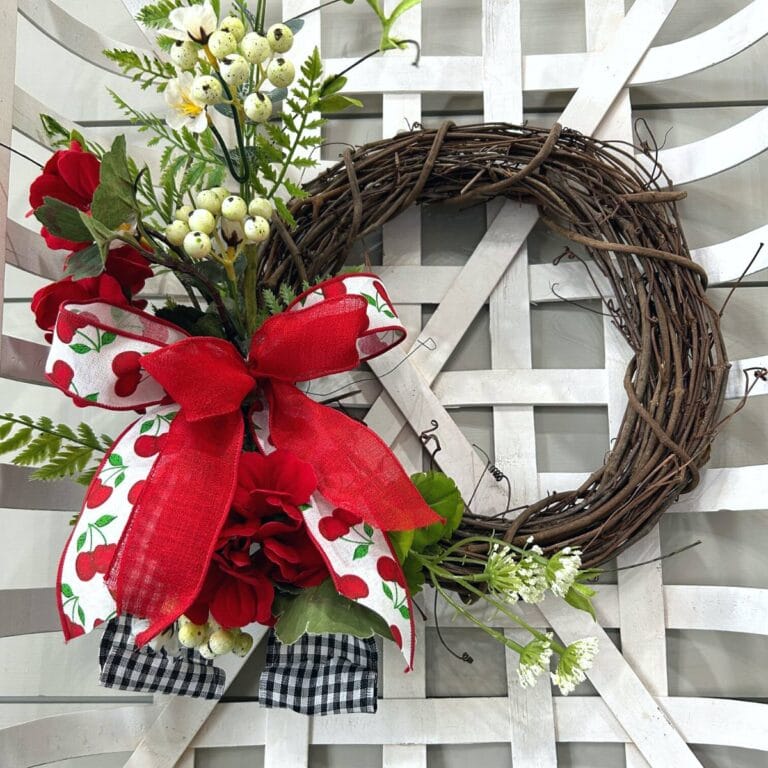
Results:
<point x="238" y="58"/>
<point x="219" y="221"/>
<point x="211" y="640"/>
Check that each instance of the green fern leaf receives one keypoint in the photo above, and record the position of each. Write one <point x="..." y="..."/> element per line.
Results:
<point x="271" y="302"/>
<point x="17" y="441"/>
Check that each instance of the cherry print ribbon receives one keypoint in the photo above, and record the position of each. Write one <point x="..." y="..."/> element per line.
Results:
<point x="158" y="500"/>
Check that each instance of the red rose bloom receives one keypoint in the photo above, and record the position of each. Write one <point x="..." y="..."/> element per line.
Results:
<point x="263" y="541"/>
<point x="129" y="268"/>
<point x="71" y="175"/>
<point x="46" y="301"/>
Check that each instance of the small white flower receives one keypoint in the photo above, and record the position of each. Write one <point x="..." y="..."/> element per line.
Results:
<point x="534" y="661"/>
<point x="533" y="576"/>
<point x="184" y="111"/>
<point x="562" y="570"/>
<point x="194" y="22"/>
<point x="574" y="663"/>
<point x="513" y="579"/>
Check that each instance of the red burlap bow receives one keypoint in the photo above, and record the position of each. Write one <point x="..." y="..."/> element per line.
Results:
<point x="163" y="554"/>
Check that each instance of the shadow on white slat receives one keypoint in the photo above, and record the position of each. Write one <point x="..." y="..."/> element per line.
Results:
<point x="17" y="491"/>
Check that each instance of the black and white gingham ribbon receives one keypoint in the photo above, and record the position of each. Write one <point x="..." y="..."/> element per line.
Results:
<point x="320" y="675"/>
<point x="129" y="668"/>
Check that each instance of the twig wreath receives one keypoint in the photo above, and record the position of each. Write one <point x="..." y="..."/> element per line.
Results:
<point x="597" y="195"/>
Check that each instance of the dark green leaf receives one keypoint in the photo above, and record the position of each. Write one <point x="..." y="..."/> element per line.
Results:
<point x="387" y="589"/>
<point x="80" y="544"/>
<point x="361" y="550"/>
<point x="107" y="338"/>
<point x="93" y="397"/>
<point x="119" y="479"/>
<point x="146" y="426"/>
<point x="80" y="349"/>
<point x="86" y="263"/>
<point x="368" y="529"/>
<point x="579" y="596"/>
<point x="113" y="201"/>
<point x="404" y="612"/>
<point x="442" y="495"/>
<point x="62" y="220"/>
<point x="116" y="460"/>
<point x="104" y="520"/>
<point x="320" y="610"/>
<point x="337" y="102"/>
<point x="81" y="614"/>
<point x="414" y="575"/>
<point x="66" y="590"/>
<point x="332" y="84"/>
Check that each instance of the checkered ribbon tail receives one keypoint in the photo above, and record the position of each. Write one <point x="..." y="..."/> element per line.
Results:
<point x="320" y="675"/>
<point x="129" y="668"/>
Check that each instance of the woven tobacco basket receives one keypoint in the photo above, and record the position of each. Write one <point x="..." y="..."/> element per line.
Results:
<point x="597" y="195"/>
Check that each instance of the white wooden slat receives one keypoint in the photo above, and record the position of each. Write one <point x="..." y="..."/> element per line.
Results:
<point x="286" y="739"/>
<point x="26" y="611"/>
<point x="133" y="7"/>
<point x="727" y="261"/>
<point x="64" y="29"/>
<point x="737" y="378"/>
<point x="579" y="719"/>
<point x="607" y="74"/>
<point x="18" y="492"/>
<point x="713" y="154"/>
<point x="22" y="360"/>
<point x="648" y="727"/>
<point x="542" y="386"/>
<point x="26" y="249"/>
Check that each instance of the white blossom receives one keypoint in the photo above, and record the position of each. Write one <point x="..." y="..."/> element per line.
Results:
<point x="513" y="579"/>
<point x="534" y="661"/>
<point x="183" y="110"/>
<point x="195" y="22"/>
<point x="574" y="663"/>
<point x="562" y="570"/>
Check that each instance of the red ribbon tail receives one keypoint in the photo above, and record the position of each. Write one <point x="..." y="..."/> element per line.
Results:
<point x="356" y="470"/>
<point x="163" y="555"/>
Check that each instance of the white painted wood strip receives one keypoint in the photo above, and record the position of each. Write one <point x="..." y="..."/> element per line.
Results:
<point x="648" y="727"/>
<point x="69" y="32"/>
<point x="737" y="378"/>
<point x="27" y="611"/>
<point x="579" y="719"/>
<point x="133" y="7"/>
<point x="541" y="386"/>
<point x="731" y="609"/>
<point x="22" y="360"/>
<point x="286" y="739"/>
<point x="606" y="74"/>
<point x="713" y="154"/>
<point x="163" y="741"/>
<point x="728" y="260"/>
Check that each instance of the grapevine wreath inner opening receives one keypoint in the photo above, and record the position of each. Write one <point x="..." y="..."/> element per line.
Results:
<point x="597" y="195"/>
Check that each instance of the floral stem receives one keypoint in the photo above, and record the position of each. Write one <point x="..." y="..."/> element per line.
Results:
<point x="250" y="283"/>
<point x="311" y="10"/>
<point x="239" y="178"/>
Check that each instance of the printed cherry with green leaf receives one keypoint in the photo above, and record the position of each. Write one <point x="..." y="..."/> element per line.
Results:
<point x="380" y="302"/>
<point x="89" y="343"/>
<point x="96" y="559"/>
<point x="97" y="494"/>
<point x="399" y="601"/>
<point x="389" y="570"/>
<point x="69" y="323"/>
<point x="127" y="367"/>
<point x="111" y="474"/>
<point x="382" y="291"/>
<point x="62" y="374"/>
<point x="71" y="604"/>
<point x="146" y="444"/>
<point x="338" y="524"/>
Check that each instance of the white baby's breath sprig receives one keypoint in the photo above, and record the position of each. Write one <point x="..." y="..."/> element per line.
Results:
<point x="534" y="660"/>
<point x="562" y="570"/>
<point x="574" y="662"/>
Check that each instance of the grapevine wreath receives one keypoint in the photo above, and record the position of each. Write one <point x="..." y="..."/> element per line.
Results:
<point x="597" y="195"/>
<point x="233" y="498"/>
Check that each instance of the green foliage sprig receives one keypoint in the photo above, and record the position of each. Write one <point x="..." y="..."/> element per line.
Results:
<point x="147" y="71"/>
<point x="57" y="450"/>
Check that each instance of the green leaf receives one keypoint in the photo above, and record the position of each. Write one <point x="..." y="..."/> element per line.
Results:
<point x="81" y="614"/>
<point x="387" y="589"/>
<point x="361" y="550"/>
<point x="413" y="571"/>
<point x="17" y="441"/>
<point x="368" y="529"/>
<point x="332" y="84"/>
<point x="155" y="15"/>
<point x="116" y="460"/>
<point x="80" y="543"/>
<point x="88" y="262"/>
<point x="337" y="103"/>
<point x="45" y="446"/>
<point x="62" y="220"/>
<point x="80" y="349"/>
<point x="404" y="612"/>
<point x="579" y="596"/>
<point x="401" y="542"/>
<point x="400" y="9"/>
<point x="66" y="590"/>
<point x="146" y="426"/>
<point x="283" y="211"/>
<point x="104" y="520"/>
<point x="320" y="610"/>
<point x="107" y="338"/>
<point x="442" y="495"/>
<point x="113" y="201"/>
<point x="119" y="479"/>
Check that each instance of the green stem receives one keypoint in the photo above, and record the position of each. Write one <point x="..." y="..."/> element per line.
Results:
<point x="311" y="10"/>
<point x="238" y="135"/>
<point x="84" y="443"/>
<point x="227" y="157"/>
<point x="250" y="285"/>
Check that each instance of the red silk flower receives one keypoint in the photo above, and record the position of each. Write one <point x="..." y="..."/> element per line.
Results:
<point x="263" y="541"/>
<point x="71" y="175"/>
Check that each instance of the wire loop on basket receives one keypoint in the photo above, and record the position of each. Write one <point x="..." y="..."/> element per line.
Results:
<point x="597" y="195"/>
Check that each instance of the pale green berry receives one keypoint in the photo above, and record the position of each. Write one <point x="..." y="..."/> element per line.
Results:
<point x="256" y="229"/>
<point x="234" y="26"/>
<point x="221" y="192"/>
<point x="184" y="54"/>
<point x="206" y="652"/>
<point x="235" y="70"/>
<point x="234" y="208"/>
<point x="206" y="90"/>
<point x="255" y="48"/>
<point x="258" y="107"/>
<point x="260" y="206"/>
<point x="221" y="642"/>
<point x="202" y="220"/>
<point x="176" y="231"/>
<point x="210" y="199"/>
<point x="221" y="44"/>
<point x="197" y="245"/>
<point x="280" y="38"/>
<point x="281" y="72"/>
<point x="182" y="214"/>
<point x="192" y="635"/>
<point x="243" y="644"/>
